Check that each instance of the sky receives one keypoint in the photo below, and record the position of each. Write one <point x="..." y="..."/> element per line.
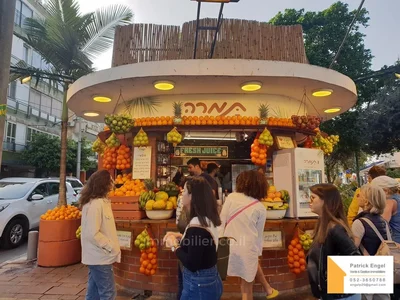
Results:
<point x="382" y="34"/>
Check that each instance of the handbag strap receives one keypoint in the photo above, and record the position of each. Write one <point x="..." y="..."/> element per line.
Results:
<point x="238" y="212"/>
<point x="389" y="237"/>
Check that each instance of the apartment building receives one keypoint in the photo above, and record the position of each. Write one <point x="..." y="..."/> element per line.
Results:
<point x="30" y="108"/>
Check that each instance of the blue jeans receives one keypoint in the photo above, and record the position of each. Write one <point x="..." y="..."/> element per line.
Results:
<point x="202" y="285"/>
<point x="180" y="282"/>
<point x="101" y="284"/>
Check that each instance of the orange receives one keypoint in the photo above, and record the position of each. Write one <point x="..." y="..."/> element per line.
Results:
<point x="149" y="266"/>
<point x="150" y="256"/>
<point x="147" y="272"/>
<point x="152" y="272"/>
<point x="296" y="271"/>
<point x="296" y="264"/>
<point x="153" y="249"/>
<point x="290" y="247"/>
<point x="301" y="253"/>
<point x="302" y="261"/>
<point x="299" y="246"/>
<point x="302" y="268"/>
<point x="291" y="253"/>
<point x="144" y="256"/>
<point x="145" y="263"/>
<point x="296" y="258"/>
<point x="142" y="270"/>
<point x="290" y="259"/>
<point x="153" y="261"/>
<point x="295" y="250"/>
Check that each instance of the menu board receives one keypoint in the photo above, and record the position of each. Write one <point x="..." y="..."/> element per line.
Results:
<point x="141" y="162"/>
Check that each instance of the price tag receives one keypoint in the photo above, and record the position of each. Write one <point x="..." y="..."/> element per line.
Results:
<point x="125" y="239"/>
<point x="273" y="239"/>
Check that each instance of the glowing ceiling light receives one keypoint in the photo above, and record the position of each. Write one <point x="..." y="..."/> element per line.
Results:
<point x="251" y="86"/>
<point x="332" y="110"/>
<point x="322" y="92"/>
<point x="102" y="99"/>
<point x="164" y="85"/>
<point x="91" y="114"/>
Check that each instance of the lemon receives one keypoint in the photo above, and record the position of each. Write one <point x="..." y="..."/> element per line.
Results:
<point x="173" y="200"/>
<point x="170" y="205"/>
<point x="149" y="205"/>
<point x="159" y="205"/>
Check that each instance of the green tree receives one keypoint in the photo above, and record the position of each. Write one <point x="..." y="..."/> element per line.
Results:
<point x="323" y="34"/>
<point x="68" y="40"/>
<point x="43" y="153"/>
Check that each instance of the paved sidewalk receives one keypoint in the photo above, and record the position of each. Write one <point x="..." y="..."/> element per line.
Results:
<point x="22" y="280"/>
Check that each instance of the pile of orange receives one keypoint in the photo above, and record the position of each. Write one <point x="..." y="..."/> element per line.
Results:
<point x="148" y="260"/>
<point x="258" y="153"/>
<point x="68" y="212"/>
<point x="154" y="121"/>
<point x="110" y="158"/>
<point x="280" y="122"/>
<point x="124" y="159"/>
<point x="220" y="120"/>
<point x="130" y="187"/>
<point x="122" y="178"/>
<point x="296" y="256"/>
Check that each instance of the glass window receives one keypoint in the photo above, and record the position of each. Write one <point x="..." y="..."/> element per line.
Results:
<point x="26" y="54"/>
<point x="26" y="12"/>
<point x="11" y="131"/>
<point x="17" y="17"/>
<point x="36" y="59"/>
<point x="12" y="90"/>
<point x="41" y="189"/>
<point x="56" y="108"/>
<point x="53" y="188"/>
<point x="15" y="191"/>
<point x="34" y="98"/>
<point x="74" y="183"/>
<point x="45" y="104"/>
<point x="30" y="133"/>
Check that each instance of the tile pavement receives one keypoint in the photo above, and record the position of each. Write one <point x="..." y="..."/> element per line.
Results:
<point x="21" y="280"/>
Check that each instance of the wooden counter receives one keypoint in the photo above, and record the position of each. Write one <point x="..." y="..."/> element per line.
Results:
<point x="273" y="260"/>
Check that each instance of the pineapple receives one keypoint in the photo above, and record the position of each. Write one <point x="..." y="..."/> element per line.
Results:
<point x="263" y="111"/>
<point x="177" y="112"/>
<point x="177" y="109"/>
<point x="149" y="184"/>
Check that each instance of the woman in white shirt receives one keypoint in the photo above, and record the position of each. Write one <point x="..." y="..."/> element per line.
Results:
<point x="100" y="246"/>
<point x="243" y="218"/>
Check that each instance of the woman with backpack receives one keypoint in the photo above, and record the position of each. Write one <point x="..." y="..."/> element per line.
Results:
<point x="243" y="218"/>
<point x="332" y="236"/>
<point x="369" y="227"/>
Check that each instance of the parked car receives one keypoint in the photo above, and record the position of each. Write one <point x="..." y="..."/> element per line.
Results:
<point x="76" y="184"/>
<point x="22" y="202"/>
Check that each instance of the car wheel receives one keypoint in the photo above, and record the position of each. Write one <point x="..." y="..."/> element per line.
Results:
<point x="14" y="233"/>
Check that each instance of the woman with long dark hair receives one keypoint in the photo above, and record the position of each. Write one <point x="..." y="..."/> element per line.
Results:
<point x="332" y="236"/>
<point x="100" y="246"/>
<point x="197" y="248"/>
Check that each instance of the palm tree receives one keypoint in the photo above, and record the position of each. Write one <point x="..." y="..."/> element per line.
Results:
<point x="68" y="41"/>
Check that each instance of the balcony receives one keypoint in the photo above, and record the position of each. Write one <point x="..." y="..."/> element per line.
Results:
<point x="13" y="147"/>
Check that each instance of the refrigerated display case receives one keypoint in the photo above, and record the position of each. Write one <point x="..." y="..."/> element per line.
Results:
<point x="296" y="170"/>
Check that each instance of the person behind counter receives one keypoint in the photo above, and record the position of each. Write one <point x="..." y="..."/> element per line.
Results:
<point x="100" y="246"/>
<point x="197" y="249"/>
<point x="195" y="170"/>
<point x="243" y="218"/>
<point x="332" y="236"/>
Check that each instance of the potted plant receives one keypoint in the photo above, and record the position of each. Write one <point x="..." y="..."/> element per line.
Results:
<point x="177" y="112"/>
<point x="263" y="111"/>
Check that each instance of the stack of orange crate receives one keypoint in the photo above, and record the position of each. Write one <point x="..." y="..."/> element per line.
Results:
<point x="127" y="208"/>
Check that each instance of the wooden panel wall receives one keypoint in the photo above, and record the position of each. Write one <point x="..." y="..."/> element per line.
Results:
<point x="240" y="39"/>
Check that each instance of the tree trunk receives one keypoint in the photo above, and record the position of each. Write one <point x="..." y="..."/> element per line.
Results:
<point x="7" y="9"/>
<point x="357" y="168"/>
<point x="62" y="197"/>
